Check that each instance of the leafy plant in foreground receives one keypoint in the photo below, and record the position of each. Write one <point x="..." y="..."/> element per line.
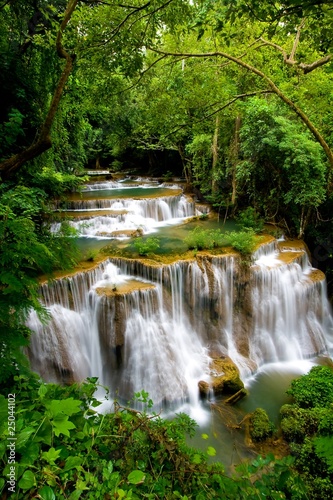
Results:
<point x="66" y="450"/>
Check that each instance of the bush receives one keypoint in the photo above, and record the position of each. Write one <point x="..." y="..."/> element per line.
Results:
<point x="205" y="239"/>
<point x="250" y="219"/>
<point x="243" y="241"/>
<point x="313" y="389"/>
<point x="146" y="246"/>
<point x="261" y="427"/>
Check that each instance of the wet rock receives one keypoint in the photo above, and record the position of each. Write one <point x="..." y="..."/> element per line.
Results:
<point x="224" y="378"/>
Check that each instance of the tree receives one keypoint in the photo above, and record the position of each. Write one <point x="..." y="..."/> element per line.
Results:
<point x="120" y="29"/>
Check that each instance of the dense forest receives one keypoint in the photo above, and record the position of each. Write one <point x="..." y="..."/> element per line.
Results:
<point x="233" y="96"/>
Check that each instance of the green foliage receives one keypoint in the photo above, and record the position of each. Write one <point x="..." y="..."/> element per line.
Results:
<point x="204" y="239"/>
<point x="281" y="162"/>
<point x="27" y="249"/>
<point x="244" y="242"/>
<point x="315" y="389"/>
<point x="144" y="246"/>
<point x="261" y="427"/>
<point x="55" y="183"/>
<point x="65" y="449"/>
<point x="308" y="426"/>
<point x="250" y="219"/>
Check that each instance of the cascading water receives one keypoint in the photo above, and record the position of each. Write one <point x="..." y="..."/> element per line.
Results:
<point x="128" y="215"/>
<point x="138" y="327"/>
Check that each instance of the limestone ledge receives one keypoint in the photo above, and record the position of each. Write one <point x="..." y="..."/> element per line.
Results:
<point x="124" y="288"/>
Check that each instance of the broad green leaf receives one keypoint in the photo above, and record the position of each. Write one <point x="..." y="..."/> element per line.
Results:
<point x="67" y="406"/>
<point x="72" y="463"/>
<point x="204" y="436"/>
<point x="24" y="436"/>
<point x="42" y="390"/>
<point x="62" y="426"/>
<point x="27" y="481"/>
<point x="136" y="477"/>
<point x="46" y="493"/>
<point x="51" y="455"/>
<point x="30" y="453"/>
<point x="75" y="495"/>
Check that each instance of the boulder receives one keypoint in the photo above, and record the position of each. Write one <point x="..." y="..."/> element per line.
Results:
<point x="224" y="378"/>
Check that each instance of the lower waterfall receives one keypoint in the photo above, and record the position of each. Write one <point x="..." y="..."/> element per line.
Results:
<point x="138" y="327"/>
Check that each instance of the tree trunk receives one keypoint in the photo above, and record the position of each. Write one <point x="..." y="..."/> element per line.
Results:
<point x="215" y="153"/>
<point x="234" y="159"/>
<point x="43" y="141"/>
<point x="186" y="166"/>
<point x="304" y="221"/>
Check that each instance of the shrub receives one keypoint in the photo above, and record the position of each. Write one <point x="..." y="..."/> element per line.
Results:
<point x="313" y="389"/>
<point x="146" y="246"/>
<point x="242" y="241"/>
<point x="205" y="239"/>
<point x="250" y="219"/>
<point x="261" y="427"/>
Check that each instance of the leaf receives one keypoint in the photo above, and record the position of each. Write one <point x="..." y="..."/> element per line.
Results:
<point x="42" y="391"/>
<point x="136" y="477"/>
<point x="46" y="493"/>
<point x="204" y="436"/>
<point x="29" y="454"/>
<point x="24" y="436"/>
<point x="72" y="463"/>
<point x="51" y="456"/>
<point x="196" y="459"/>
<point x="211" y="451"/>
<point x="27" y="481"/>
<point x="62" y="426"/>
<point x="75" y="495"/>
<point x="67" y="406"/>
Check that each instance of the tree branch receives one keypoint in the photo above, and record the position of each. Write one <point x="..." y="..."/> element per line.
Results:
<point x="229" y="103"/>
<point x="317" y="135"/>
<point x="43" y="140"/>
<point x="296" y="41"/>
<point x="291" y="61"/>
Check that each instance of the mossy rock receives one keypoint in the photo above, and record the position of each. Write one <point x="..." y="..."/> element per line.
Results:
<point x="224" y="378"/>
<point x="261" y="427"/>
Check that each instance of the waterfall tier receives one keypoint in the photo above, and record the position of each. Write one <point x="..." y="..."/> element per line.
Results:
<point x="128" y="216"/>
<point x="139" y="326"/>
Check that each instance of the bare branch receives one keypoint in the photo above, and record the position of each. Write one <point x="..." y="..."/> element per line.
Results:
<point x="307" y="68"/>
<point x="296" y="41"/>
<point x="291" y="61"/>
<point x="275" y="46"/>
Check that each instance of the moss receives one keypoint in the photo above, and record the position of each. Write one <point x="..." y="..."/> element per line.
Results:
<point x="261" y="427"/>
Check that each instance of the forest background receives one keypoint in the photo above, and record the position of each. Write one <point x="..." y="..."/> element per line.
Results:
<point x="234" y="96"/>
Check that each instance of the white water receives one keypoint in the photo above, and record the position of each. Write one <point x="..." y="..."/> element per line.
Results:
<point x="158" y="338"/>
<point x="146" y="215"/>
<point x="138" y="327"/>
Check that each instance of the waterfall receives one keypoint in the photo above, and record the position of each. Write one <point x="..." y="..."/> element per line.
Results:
<point x="161" y="208"/>
<point x="128" y="215"/>
<point x="155" y="328"/>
